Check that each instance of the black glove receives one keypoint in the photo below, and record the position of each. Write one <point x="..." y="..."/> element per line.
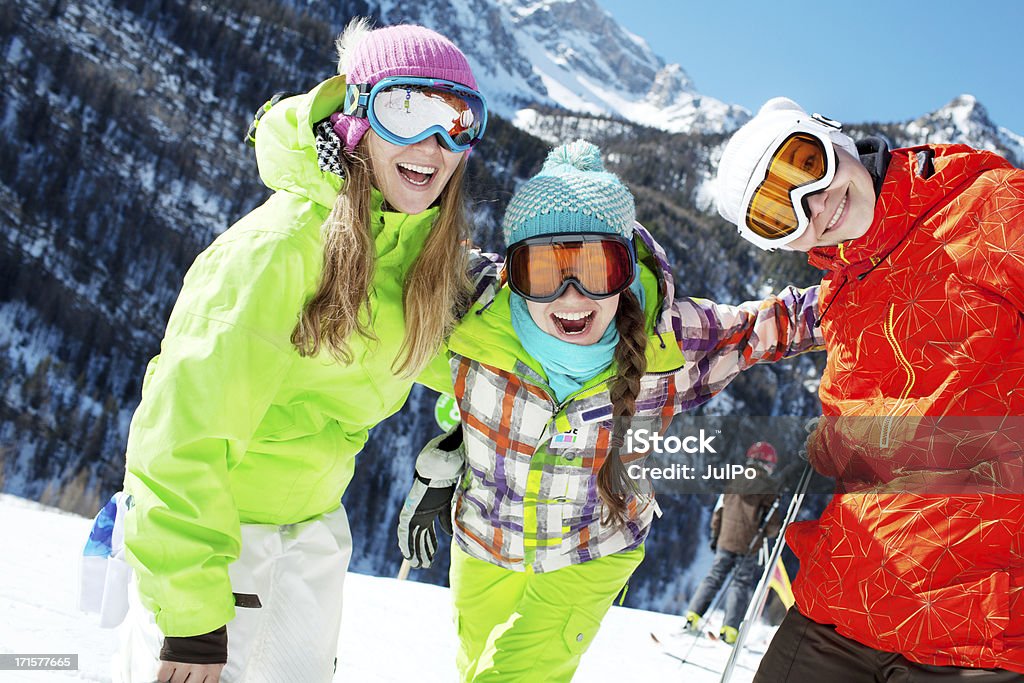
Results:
<point x="714" y="544"/>
<point x="438" y="471"/>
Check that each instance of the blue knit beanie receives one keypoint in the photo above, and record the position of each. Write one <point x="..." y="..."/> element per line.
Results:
<point x="572" y="193"/>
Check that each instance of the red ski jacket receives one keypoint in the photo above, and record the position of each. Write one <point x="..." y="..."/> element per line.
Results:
<point x="923" y="317"/>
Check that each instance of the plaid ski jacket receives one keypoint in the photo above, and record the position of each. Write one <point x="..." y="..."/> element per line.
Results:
<point x="529" y="499"/>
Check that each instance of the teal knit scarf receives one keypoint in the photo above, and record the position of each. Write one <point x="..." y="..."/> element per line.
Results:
<point x="567" y="366"/>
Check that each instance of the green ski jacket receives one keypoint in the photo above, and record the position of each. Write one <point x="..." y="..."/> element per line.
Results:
<point x="234" y="425"/>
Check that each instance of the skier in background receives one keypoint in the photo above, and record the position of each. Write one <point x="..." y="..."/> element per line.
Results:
<point x="549" y="373"/>
<point x="737" y="527"/>
<point x="298" y="330"/>
<point x="915" y="570"/>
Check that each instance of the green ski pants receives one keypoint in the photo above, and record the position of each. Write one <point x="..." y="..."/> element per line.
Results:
<point x="523" y="626"/>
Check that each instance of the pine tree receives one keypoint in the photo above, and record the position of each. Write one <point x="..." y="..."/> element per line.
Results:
<point x="37" y="388"/>
<point x="78" y="496"/>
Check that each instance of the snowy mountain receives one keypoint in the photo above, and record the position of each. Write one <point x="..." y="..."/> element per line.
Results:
<point x="569" y="54"/>
<point x="392" y="631"/>
<point x="965" y="120"/>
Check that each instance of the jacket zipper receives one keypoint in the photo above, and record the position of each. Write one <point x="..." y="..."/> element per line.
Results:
<point x="890" y="336"/>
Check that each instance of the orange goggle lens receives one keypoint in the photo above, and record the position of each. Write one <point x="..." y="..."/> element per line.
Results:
<point x="541" y="272"/>
<point x="799" y="160"/>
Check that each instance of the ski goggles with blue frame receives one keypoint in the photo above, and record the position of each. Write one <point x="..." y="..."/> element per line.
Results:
<point x="404" y="110"/>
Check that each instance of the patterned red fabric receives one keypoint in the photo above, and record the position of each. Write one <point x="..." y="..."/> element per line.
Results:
<point x="926" y="320"/>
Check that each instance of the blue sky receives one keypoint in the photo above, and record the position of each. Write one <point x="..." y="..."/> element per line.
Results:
<point x="865" y="60"/>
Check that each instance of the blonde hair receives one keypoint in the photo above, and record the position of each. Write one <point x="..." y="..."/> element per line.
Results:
<point x="435" y="286"/>
<point x="630" y="357"/>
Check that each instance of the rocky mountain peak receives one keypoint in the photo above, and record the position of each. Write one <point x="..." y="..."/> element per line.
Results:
<point x="966" y="120"/>
<point x="964" y="111"/>
<point x="668" y="83"/>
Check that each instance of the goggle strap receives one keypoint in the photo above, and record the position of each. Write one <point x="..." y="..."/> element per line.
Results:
<point x="357" y="100"/>
<point x="250" y="136"/>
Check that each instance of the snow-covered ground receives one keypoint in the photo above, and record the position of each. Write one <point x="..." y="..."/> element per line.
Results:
<point x="392" y="630"/>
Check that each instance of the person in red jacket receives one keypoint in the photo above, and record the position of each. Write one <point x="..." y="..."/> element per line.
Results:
<point x="915" y="570"/>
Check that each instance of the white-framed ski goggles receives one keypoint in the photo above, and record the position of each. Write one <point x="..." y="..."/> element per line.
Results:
<point x="404" y="110"/>
<point x="798" y="163"/>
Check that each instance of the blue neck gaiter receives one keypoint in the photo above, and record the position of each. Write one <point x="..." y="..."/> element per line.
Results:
<point x="567" y="366"/>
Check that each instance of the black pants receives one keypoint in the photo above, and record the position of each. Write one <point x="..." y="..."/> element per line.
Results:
<point x="804" y="651"/>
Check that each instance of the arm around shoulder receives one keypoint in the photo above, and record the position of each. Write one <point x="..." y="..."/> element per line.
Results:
<point x="780" y="326"/>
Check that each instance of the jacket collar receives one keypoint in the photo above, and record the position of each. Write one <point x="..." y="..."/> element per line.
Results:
<point x="917" y="181"/>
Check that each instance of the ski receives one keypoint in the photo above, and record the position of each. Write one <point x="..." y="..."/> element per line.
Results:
<point x="656" y="639"/>
<point x="680" y="658"/>
<point x="711" y="635"/>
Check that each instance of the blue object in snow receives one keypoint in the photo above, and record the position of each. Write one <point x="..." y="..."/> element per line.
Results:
<point x="100" y="541"/>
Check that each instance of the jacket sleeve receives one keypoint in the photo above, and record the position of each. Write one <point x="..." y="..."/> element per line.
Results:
<point x="483" y="272"/>
<point x="223" y="358"/>
<point x="724" y="340"/>
<point x="438" y="374"/>
<point x="996" y="261"/>
<point x="716" y="523"/>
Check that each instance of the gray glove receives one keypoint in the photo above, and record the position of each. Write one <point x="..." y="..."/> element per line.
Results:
<point x="810" y="426"/>
<point x="438" y="471"/>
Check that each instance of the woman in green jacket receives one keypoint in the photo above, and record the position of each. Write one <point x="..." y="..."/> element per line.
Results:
<point x="299" y="329"/>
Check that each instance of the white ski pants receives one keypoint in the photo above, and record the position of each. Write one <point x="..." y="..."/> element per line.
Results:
<point x="297" y="571"/>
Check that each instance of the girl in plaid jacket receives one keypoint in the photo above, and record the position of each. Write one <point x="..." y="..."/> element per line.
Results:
<point x="548" y="525"/>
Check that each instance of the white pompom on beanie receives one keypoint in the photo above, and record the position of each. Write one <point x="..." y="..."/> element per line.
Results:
<point x="750" y="143"/>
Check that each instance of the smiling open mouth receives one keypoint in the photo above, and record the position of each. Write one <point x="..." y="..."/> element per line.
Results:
<point x="417" y="175"/>
<point x="571" y="324"/>
<point x="838" y="214"/>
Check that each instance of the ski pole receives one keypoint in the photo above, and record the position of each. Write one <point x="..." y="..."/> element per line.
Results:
<point x="761" y="593"/>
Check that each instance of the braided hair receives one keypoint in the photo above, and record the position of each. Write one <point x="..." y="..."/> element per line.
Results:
<point x="613" y="483"/>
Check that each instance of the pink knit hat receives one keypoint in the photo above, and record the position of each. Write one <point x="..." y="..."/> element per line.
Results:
<point x="404" y="50"/>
